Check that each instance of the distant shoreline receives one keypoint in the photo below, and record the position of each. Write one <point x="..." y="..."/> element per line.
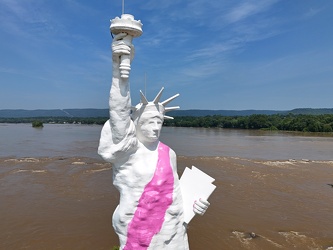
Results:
<point x="93" y="112"/>
<point x="320" y="123"/>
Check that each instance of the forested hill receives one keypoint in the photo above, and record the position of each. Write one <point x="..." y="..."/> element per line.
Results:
<point x="200" y="112"/>
<point x="22" y="113"/>
<point x="299" y="111"/>
<point x="309" y="111"/>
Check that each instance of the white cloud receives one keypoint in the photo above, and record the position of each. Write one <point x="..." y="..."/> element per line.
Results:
<point x="212" y="50"/>
<point x="247" y="9"/>
<point x="312" y="12"/>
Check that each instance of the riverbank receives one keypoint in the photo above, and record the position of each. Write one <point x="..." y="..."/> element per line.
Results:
<point x="67" y="203"/>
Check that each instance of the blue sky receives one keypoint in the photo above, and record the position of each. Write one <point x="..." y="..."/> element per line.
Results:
<point x="236" y="55"/>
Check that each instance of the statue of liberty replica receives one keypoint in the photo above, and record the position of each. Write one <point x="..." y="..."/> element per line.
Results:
<point x="150" y="213"/>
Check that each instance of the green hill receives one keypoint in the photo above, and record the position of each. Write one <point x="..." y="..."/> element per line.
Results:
<point x="22" y="113"/>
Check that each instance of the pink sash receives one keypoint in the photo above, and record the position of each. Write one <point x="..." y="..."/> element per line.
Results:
<point x="153" y="204"/>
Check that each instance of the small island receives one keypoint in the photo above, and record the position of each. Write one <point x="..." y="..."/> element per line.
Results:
<point x="37" y="124"/>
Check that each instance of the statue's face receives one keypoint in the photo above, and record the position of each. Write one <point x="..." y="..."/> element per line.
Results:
<point x="149" y="126"/>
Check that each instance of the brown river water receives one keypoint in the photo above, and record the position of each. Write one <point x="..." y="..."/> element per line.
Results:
<point x="272" y="188"/>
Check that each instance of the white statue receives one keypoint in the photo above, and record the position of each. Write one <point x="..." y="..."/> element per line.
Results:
<point x="150" y="211"/>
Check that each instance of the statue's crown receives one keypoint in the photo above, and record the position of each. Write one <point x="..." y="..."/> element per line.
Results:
<point x="155" y="105"/>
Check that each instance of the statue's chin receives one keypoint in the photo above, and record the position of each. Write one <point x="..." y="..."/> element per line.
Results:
<point x="150" y="139"/>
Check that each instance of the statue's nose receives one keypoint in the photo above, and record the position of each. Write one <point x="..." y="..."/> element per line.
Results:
<point x="155" y="127"/>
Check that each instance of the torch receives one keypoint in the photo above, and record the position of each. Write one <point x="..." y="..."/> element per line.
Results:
<point x="133" y="28"/>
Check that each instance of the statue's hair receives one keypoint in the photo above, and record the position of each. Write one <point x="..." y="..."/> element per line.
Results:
<point x="155" y="105"/>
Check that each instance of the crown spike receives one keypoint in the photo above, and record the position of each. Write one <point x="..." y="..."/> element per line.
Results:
<point x="167" y="109"/>
<point x="164" y="103"/>
<point x="143" y="98"/>
<point x="158" y="96"/>
<point x="168" y="117"/>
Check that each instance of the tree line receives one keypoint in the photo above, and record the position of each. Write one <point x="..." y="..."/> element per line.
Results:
<point x="285" y="122"/>
<point x="288" y="122"/>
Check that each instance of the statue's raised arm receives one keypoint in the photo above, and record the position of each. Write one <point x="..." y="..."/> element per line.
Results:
<point x="120" y="97"/>
<point x="118" y="133"/>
